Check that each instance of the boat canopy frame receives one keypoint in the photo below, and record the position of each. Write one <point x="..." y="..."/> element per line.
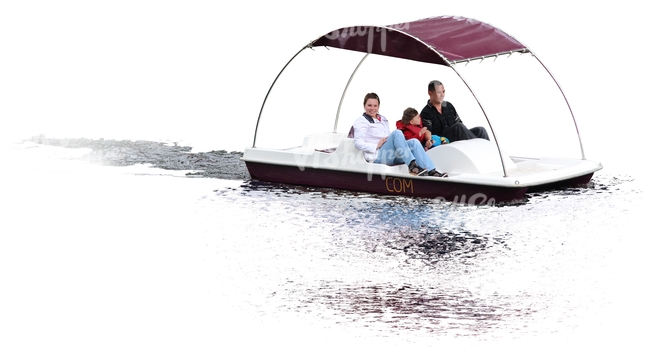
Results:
<point x="442" y="40"/>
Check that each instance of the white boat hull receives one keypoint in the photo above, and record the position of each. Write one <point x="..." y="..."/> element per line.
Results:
<point x="476" y="172"/>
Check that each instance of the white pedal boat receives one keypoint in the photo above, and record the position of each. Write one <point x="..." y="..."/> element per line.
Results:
<point x="479" y="171"/>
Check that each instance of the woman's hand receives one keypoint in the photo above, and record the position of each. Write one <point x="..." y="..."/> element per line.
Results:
<point x="381" y="142"/>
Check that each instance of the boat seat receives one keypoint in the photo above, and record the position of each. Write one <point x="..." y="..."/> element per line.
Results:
<point x="347" y="145"/>
<point x="477" y="156"/>
<point x="351" y="132"/>
<point x="323" y="141"/>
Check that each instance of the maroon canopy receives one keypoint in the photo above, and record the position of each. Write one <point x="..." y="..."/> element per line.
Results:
<point x="440" y="40"/>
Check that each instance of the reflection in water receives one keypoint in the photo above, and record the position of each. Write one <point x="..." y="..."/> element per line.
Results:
<point x="428" y="310"/>
<point x="388" y="265"/>
<point x="429" y="247"/>
<point x="392" y="264"/>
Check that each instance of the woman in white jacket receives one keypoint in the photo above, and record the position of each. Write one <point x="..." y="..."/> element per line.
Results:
<point x="379" y="145"/>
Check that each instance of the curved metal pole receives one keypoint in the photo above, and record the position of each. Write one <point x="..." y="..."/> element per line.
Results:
<point x="269" y="92"/>
<point x="338" y="111"/>
<point x="496" y="141"/>
<point x="582" y="151"/>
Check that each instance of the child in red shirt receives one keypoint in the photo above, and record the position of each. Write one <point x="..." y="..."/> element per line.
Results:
<point x="411" y="126"/>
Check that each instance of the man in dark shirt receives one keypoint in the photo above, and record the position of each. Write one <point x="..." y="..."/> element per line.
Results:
<point x="441" y="118"/>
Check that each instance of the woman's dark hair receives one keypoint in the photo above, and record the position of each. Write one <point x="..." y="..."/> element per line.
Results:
<point x="409" y="114"/>
<point x="371" y="96"/>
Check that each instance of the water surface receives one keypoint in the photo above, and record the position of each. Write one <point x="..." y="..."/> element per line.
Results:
<point x="139" y="259"/>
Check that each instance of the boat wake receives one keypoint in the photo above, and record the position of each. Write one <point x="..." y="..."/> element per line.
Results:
<point x="169" y="156"/>
<point x="228" y="165"/>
